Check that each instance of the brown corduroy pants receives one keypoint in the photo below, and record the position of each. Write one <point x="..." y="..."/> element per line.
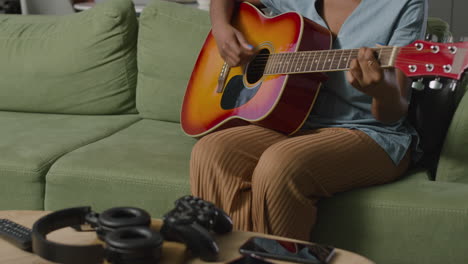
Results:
<point x="270" y="183"/>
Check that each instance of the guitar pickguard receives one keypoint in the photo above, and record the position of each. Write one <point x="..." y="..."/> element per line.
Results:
<point x="236" y="94"/>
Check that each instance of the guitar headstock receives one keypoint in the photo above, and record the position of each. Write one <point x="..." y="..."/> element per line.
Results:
<point x="424" y="58"/>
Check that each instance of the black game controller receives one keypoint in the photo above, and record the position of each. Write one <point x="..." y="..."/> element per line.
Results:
<point x="191" y="221"/>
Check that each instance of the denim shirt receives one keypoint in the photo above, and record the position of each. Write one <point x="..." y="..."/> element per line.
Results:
<point x="384" y="22"/>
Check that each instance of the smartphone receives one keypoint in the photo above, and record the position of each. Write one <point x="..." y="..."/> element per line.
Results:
<point x="248" y="259"/>
<point x="287" y="250"/>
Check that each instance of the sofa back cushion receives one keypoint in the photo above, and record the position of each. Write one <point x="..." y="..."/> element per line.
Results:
<point x="170" y="38"/>
<point x="83" y="63"/>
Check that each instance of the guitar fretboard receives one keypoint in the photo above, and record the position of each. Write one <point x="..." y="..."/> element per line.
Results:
<point x="323" y="60"/>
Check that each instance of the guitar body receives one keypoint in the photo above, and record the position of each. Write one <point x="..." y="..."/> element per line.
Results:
<point x="280" y="102"/>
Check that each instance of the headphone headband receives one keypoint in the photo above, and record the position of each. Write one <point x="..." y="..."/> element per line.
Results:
<point x="62" y="253"/>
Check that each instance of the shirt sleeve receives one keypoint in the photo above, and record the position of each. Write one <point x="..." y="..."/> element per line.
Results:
<point x="411" y="24"/>
<point x="273" y="5"/>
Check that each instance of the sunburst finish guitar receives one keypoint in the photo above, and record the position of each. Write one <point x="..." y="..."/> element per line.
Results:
<point x="278" y="88"/>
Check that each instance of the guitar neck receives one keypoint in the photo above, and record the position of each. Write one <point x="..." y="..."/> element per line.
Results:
<point x="323" y="60"/>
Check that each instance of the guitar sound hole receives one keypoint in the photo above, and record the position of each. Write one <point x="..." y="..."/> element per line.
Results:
<point x="257" y="66"/>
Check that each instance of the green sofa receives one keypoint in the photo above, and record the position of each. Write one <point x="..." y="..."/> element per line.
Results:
<point x="89" y="115"/>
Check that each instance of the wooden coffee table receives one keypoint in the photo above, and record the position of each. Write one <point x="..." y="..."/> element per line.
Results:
<point x="172" y="252"/>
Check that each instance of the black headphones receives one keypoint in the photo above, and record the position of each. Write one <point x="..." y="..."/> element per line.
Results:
<point x="125" y="231"/>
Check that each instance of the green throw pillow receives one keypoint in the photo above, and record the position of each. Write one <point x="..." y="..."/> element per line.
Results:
<point x="439" y="28"/>
<point x="83" y="63"/>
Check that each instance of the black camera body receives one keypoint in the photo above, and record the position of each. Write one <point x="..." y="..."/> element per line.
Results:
<point x="10" y="7"/>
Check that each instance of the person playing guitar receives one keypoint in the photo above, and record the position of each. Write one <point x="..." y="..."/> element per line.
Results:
<point x="356" y="134"/>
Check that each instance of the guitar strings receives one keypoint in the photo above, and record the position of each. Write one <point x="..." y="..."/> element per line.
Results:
<point x="299" y="57"/>
<point x="276" y="60"/>
<point x="401" y="50"/>
<point x="257" y="64"/>
<point x="332" y="63"/>
<point x="295" y="59"/>
<point x="260" y="69"/>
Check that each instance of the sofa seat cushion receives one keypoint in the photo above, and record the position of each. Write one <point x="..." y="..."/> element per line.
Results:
<point x="30" y="143"/>
<point x="145" y="165"/>
<point x="169" y="40"/>
<point x="82" y="63"/>
<point x="410" y="221"/>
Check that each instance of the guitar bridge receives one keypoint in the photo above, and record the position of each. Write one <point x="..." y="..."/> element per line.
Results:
<point x="222" y="77"/>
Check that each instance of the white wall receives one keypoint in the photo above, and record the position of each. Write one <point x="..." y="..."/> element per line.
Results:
<point x="455" y="12"/>
<point x="460" y="17"/>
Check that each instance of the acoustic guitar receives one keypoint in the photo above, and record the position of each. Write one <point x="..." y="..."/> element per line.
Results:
<point x="278" y="87"/>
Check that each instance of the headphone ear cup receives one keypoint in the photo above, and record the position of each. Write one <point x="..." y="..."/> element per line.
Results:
<point x="120" y="217"/>
<point x="133" y="245"/>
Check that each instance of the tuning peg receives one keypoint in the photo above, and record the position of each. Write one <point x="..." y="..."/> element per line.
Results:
<point x="436" y="84"/>
<point x="453" y="85"/>
<point x="418" y="85"/>
<point x="432" y="37"/>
